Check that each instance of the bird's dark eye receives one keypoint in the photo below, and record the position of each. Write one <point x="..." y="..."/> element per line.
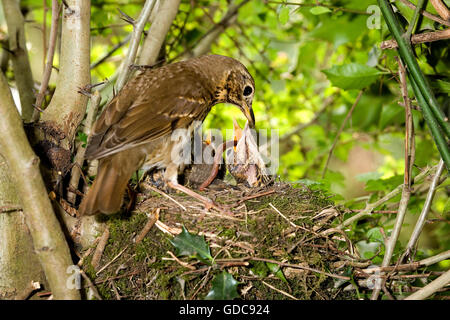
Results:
<point x="248" y="91"/>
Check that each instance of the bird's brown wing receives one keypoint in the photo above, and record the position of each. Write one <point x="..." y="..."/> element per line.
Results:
<point x="150" y="106"/>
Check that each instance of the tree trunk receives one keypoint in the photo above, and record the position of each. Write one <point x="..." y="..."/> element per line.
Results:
<point x="19" y="264"/>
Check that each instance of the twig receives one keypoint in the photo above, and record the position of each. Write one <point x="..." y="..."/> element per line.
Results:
<point x="113" y="259"/>
<point x="282" y="264"/>
<point x="431" y="109"/>
<point x="369" y="207"/>
<point x="134" y="42"/>
<point x="100" y="248"/>
<point x="426" y="13"/>
<point x="110" y="52"/>
<point x="284" y="217"/>
<point x="435" y="259"/>
<point x="415" y="18"/>
<point x="349" y="114"/>
<point x="161" y="23"/>
<point x="56" y="9"/>
<point x="95" y="100"/>
<point x="431" y="288"/>
<point x="147" y="185"/>
<point x="90" y="284"/>
<point x="262" y="194"/>
<point x="151" y="221"/>
<point x="279" y="290"/>
<point x="182" y="263"/>
<point x="302" y="126"/>
<point x="419" y="38"/>
<point x="318" y="4"/>
<point x="424" y="213"/>
<point x="441" y="9"/>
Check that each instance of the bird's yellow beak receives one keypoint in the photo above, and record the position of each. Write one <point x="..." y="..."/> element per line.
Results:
<point x="248" y="112"/>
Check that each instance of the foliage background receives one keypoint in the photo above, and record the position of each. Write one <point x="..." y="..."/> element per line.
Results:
<point x="287" y="47"/>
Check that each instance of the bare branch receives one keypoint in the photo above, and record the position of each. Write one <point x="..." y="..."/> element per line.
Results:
<point x="79" y="157"/>
<point x="419" y="38"/>
<point x="426" y="208"/>
<point x="67" y="108"/>
<point x="441" y="9"/>
<point x="139" y="25"/>
<point x="158" y="31"/>
<point x="19" y="57"/>
<point x="426" y="13"/>
<point x="431" y="288"/>
<point x="49" y="65"/>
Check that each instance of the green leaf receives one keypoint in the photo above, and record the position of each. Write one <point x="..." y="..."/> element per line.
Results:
<point x="83" y="138"/>
<point x="352" y="76"/>
<point x="188" y="244"/>
<point x="283" y="16"/>
<point x="224" y="287"/>
<point x="375" y="235"/>
<point x="276" y="270"/>
<point x="367" y="249"/>
<point x="319" y="10"/>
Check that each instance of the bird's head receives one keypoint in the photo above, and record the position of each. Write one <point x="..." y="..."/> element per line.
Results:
<point x="236" y="86"/>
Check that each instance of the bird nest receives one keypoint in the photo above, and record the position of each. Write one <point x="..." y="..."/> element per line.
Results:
<point x="272" y="245"/>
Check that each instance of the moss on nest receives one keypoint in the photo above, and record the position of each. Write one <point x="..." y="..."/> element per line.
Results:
<point x="147" y="271"/>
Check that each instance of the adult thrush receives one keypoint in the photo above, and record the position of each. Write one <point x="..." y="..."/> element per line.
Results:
<point x="135" y="128"/>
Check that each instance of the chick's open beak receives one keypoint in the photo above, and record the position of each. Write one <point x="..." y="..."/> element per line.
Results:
<point x="248" y="112"/>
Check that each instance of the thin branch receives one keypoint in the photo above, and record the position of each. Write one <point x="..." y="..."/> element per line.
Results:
<point x="56" y="9"/>
<point x="318" y="4"/>
<point x="156" y="35"/>
<point x="435" y="259"/>
<point x="303" y="126"/>
<point x="79" y="156"/>
<point x="205" y="42"/>
<point x="279" y="290"/>
<point x="68" y="107"/>
<point x="347" y="117"/>
<point x="426" y="13"/>
<point x="139" y="25"/>
<point x="110" y="52"/>
<point x="371" y="206"/>
<point x="419" y="38"/>
<point x="431" y="288"/>
<point x="100" y="249"/>
<point x="441" y="9"/>
<point x="423" y="215"/>
<point x="391" y="241"/>
<point x="151" y="221"/>
<point x="422" y="89"/>
<point x="19" y="57"/>
<point x="415" y="18"/>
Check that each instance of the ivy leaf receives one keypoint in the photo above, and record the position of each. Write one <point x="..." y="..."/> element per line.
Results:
<point x="319" y="10"/>
<point x="352" y="76"/>
<point x="276" y="270"/>
<point x="188" y="244"/>
<point x="224" y="287"/>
